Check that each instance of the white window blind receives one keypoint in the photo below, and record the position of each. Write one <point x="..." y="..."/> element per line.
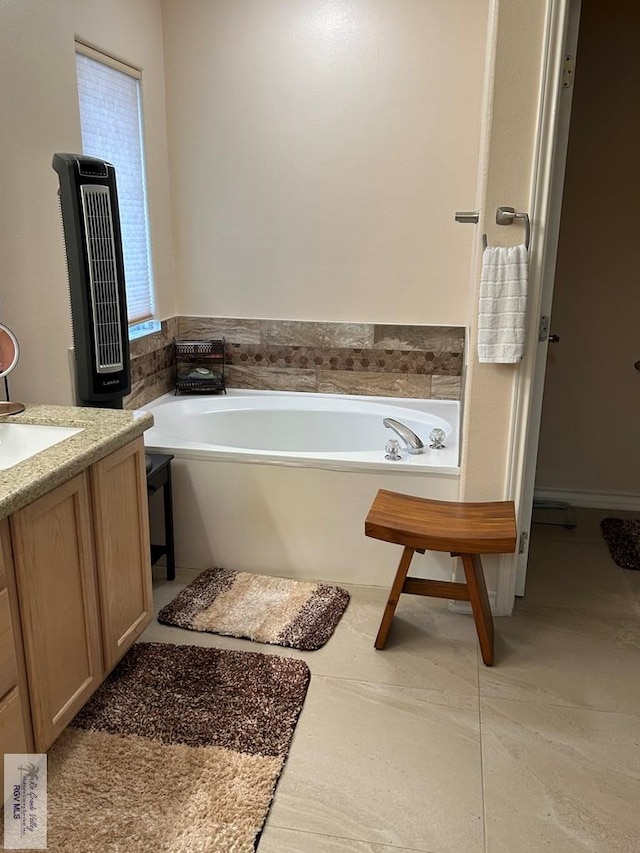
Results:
<point x="111" y="123"/>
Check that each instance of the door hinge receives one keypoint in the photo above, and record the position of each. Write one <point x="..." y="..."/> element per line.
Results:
<point x="543" y="331"/>
<point x="568" y="71"/>
<point x="524" y="538"/>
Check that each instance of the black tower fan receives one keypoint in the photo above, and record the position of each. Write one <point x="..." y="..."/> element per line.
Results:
<point x="91" y="223"/>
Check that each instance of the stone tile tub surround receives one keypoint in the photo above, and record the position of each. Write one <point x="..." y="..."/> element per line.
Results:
<point x="152" y="365"/>
<point x="337" y="357"/>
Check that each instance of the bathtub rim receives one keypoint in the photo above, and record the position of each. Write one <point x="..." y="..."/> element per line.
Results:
<point x="158" y="440"/>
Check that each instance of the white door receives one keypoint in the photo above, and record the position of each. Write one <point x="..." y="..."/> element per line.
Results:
<point x="551" y="169"/>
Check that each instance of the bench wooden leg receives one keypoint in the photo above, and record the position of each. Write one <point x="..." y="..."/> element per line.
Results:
<point x="394" y="595"/>
<point x="479" y="604"/>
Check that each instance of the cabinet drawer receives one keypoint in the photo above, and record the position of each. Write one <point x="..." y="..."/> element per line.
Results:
<point x="8" y="668"/>
<point x="12" y="737"/>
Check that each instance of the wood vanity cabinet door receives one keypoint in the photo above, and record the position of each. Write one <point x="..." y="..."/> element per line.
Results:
<point x="12" y="734"/>
<point x="56" y="582"/>
<point x="121" y="530"/>
<point x="15" y="719"/>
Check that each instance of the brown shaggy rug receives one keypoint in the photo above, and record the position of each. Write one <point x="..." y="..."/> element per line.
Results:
<point x="179" y="751"/>
<point x="622" y="535"/>
<point x="283" y="612"/>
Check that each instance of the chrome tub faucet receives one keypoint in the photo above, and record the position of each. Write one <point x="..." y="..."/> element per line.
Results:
<point x="414" y="443"/>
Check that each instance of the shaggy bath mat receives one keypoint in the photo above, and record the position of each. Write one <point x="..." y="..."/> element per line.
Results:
<point x="282" y="612"/>
<point x="622" y="535"/>
<point x="179" y="750"/>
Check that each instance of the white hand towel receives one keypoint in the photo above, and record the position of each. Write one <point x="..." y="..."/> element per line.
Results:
<point x="503" y="304"/>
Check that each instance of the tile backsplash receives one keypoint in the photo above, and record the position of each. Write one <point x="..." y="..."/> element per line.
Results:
<point x="292" y="355"/>
<point x="152" y="365"/>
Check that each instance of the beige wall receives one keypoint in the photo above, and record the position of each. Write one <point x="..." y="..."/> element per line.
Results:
<point x="317" y="163"/>
<point x="40" y="117"/>
<point x="514" y="78"/>
<point x="319" y="151"/>
<point x="316" y="166"/>
<point x="512" y="91"/>
<point x="591" y="411"/>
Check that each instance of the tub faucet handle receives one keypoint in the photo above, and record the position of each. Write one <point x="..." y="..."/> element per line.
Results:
<point x="392" y="450"/>
<point x="437" y="437"/>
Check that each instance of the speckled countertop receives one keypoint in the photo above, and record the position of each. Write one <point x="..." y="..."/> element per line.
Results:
<point x="103" y="431"/>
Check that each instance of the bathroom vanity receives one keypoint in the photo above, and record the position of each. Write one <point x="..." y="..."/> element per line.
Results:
<point x="75" y="572"/>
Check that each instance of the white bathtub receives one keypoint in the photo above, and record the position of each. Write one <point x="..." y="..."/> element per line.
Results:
<point x="281" y="482"/>
<point x="310" y="430"/>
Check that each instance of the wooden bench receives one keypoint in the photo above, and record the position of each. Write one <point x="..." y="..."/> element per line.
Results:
<point x="465" y="530"/>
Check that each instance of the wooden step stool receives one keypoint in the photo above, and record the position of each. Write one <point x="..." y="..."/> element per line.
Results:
<point x="466" y="530"/>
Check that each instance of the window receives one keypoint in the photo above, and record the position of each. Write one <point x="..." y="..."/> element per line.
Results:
<point x="111" y="123"/>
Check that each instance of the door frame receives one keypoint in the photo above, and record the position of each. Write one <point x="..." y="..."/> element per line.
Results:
<point x="547" y="191"/>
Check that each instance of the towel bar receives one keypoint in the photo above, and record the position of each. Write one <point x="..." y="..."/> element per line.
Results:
<point x="505" y="216"/>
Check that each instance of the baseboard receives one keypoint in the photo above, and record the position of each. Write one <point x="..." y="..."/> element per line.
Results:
<point x="595" y="500"/>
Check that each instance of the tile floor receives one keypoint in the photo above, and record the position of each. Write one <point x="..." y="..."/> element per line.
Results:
<point x="421" y="748"/>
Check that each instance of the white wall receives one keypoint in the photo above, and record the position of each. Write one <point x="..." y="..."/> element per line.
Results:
<point x="40" y="117"/>
<point x="319" y="151"/>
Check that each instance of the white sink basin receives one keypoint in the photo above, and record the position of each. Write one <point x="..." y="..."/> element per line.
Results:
<point x="21" y="441"/>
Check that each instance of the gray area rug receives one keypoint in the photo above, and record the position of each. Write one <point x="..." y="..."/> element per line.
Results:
<point x="283" y="612"/>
